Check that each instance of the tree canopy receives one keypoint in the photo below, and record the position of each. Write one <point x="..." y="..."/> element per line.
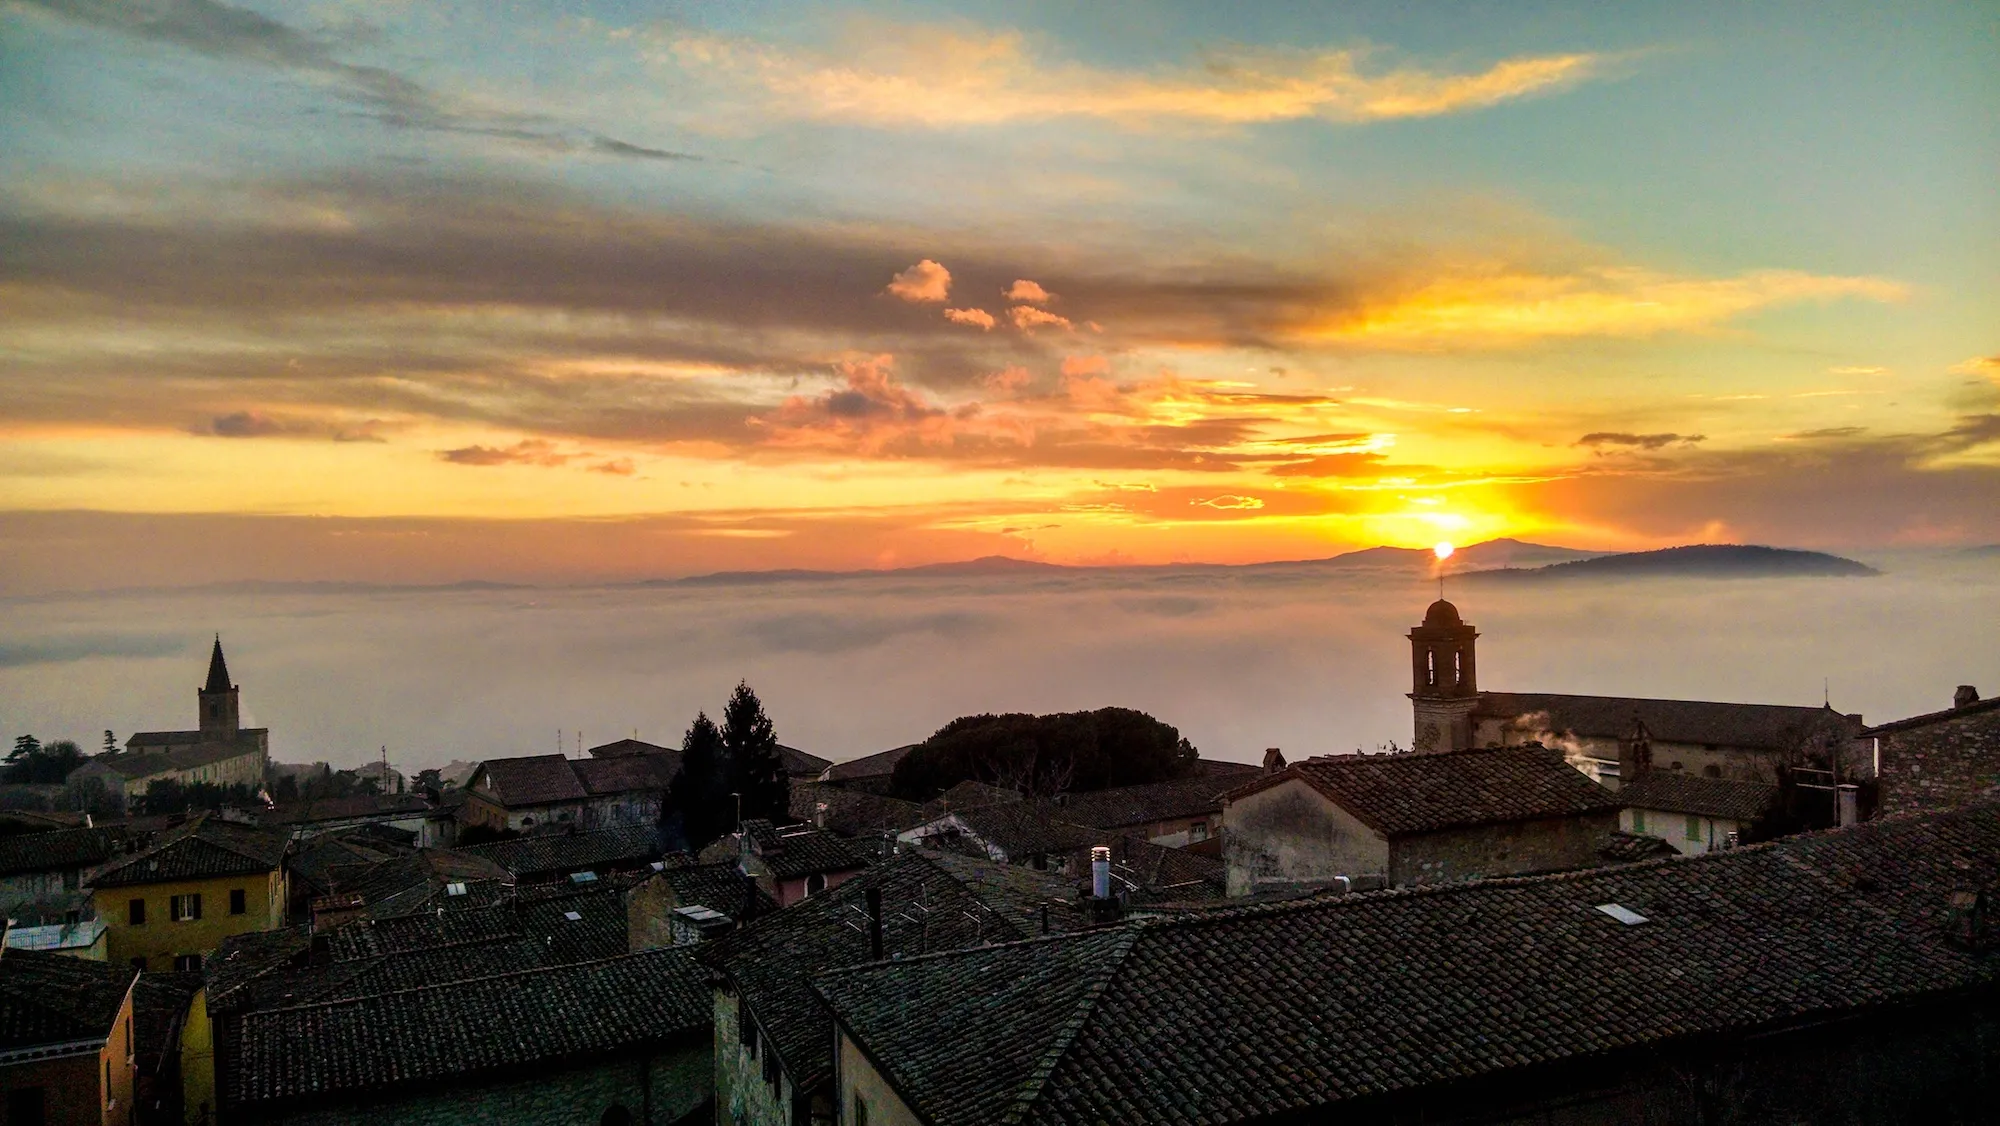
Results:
<point x="727" y="769"/>
<point x="1046" y="754"/>
<point x="31" y="761"/>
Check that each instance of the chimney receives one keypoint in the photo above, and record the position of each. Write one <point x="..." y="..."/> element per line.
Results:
<point x="749" y="899"/>
<point x="874" y="898"/>
<point x="1100" y="872"/>
<point x="1848" y="801"/>
<point x="819" y="815"/>
<point x="1274" y="760"/>
<point x="1965" y="697"/>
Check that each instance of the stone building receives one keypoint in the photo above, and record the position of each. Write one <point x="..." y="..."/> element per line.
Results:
<point x="543" y="791"/>
<point x="41" y="874"/>
<point x="795" y="861"/>
<point x="1694" y="814"/>
<point x="1940" y="760"/>
<point x="1177" y="814"/>
<point x="1848" y="976"/>
<point x="1414" y="818"/>
<point x="1614" y="738"/>
<point x="220" y="751"/>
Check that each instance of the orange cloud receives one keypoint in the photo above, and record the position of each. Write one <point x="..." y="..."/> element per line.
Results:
<point x="924" y="282"/>
<point x="1030" y="292"/>
<point x="1229" y="501"/>
<point x="977" y="318"/>
<point x="898" y="74"/>
<point x="1027" y="318"/>
<point x="1507" y="307"/>
<point x="1988" y="366"/>
<point x="528" y="451"/>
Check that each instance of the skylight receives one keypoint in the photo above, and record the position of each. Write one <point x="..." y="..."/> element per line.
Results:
<point x="1623" y="914"/>
<point x="454" y="888"/>
<point x="572" y="916"/>
<point x="582" y="877"/>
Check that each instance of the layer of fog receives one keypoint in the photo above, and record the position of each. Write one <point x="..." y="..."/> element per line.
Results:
<point x="1311" y="661"/>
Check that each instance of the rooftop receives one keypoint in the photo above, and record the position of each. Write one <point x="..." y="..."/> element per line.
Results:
<point x="878" y="765"/>
<point x="58" y="850"/>
<point x="1977" y="707"/>
<point x="795" y="851"/>
<point x="205" y="847"/>
<point x="50" y="999"/>
<point x="1265" y="1011"/>
<point x="1019" y="830"/>
<point x="1675" y="792"/>
<point x="1147" y="804"/>
<point x="852" y="813"/>
<point x="626" y="846"/>
<point x="1417" y="792"/>
<point x="1765" y="726"/>
<point x="468" y="1029"/>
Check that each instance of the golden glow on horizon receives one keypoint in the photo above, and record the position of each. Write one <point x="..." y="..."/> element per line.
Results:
<point x="1442" y="551"/>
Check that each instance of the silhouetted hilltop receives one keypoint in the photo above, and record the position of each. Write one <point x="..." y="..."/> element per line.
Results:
<point x="1715" y="561"/>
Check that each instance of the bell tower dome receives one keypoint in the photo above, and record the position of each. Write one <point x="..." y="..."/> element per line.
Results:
<point x="1444" y="681"/>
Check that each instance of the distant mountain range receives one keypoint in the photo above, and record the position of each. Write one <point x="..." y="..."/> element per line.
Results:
<point x="1710" y="561"/>
<point x="1500" y="559"/>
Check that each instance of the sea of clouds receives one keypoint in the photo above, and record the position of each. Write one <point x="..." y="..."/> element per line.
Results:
<point x="1310" y="659"/>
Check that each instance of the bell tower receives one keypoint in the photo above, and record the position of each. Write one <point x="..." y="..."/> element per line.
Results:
<point x="219" y="717"/>
<point x="1444" y="683"/>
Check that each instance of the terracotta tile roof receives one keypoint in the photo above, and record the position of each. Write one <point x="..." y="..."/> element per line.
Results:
<point x="342" y="809"/>
<point x="800" y="764"/>
<point x="800" y="850"/>
<point x="422" y="881"/>
<point x="1016" y="893"/>
<point x="204" y="848"/>
<point x="718" y="886"/>
<point x="1416" y="792"/>
<point x="467" y="1029"/>
<point x="923" y="908"/>
<point x="1626" y="848"/>
<point x="59" y="850"/>
<point x="1767" y="726"/>
<point x="626" y="846"/>
<point x="1018" y="830"/>
<point x="1184" y="798"/>
<point x="1156" y="872"/>
<point x="1929" y="718"/>
<point x="530" y="780"/>
<point x="1675" y="792"/>
<point x="629" y="747"/>
<point x="852" y="813"/>
<point x="626" y="774"/>
<point x="159" y="1006"/>
<point x="878" y="765"/>
<point x="1296" y="1009"/>
<point x="56" y="999"/>
<point x="969" y="795"/>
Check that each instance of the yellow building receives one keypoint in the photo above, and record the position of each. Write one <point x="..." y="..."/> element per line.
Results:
<point x="170" y="906"/>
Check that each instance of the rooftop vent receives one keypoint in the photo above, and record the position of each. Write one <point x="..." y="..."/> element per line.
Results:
<point x="454" y="888"/>
<point x="1623" y="914"/>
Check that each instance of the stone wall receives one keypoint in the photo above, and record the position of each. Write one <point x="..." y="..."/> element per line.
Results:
<point x="1289" y="833"/>
<point x="674" y="1084"/>
<point x="1945" y="763"/>
<point x="1515" y="848"/>
<point x="743" y="1097"/>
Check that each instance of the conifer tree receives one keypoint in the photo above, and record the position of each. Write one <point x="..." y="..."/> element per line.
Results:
<point x="700" y="790"/>
<point x="757" y="771"/>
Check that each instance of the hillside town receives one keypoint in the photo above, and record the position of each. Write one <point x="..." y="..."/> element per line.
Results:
<point x="1550" y="908"/>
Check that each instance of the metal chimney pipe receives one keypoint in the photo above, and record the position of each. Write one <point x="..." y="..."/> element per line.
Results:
<point x="1100" y="872"/>
<point x="874" y="898"/>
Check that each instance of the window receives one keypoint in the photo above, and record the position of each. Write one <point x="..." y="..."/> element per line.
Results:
<point x="1457" y="667"/>
<point x="27" y="1106"/>
<point x="860" y="1110"/>
<point x="238" y="902"/>
<point x="1431" y="667"/>
<point x="1198" y="830"/>
<point x="1694" y="828"/>
<point x="815" y="883"/>
<point x="135" y="912"/>
<point x="185" y="908"/>
<point x="1638" y="820"/>
<point x="187" y="963"/>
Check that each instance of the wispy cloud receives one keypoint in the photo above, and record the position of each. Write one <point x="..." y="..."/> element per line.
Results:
<point x="1604" y="438"/>
<point x="927" y="75"/>
<point x="976" y="318"/>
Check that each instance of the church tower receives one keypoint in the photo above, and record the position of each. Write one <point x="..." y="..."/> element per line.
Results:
<point x="219" y="719"/>
<point x="1444" y="685"/>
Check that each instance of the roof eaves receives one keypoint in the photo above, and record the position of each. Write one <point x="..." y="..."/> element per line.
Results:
<point x="1032" y="1087"/>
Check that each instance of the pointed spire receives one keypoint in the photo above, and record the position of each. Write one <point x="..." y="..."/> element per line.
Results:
<point x="218" y="670"/>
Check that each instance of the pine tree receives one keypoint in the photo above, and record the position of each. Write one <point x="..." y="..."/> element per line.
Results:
<point x="700" y="790"/>
<point x="757" y="771"/>
<point x="110" y="743"/>
<point x="25" y="746"/>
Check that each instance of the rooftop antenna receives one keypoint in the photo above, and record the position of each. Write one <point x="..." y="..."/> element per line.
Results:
<point x="1825" y="692"/>
<point x="1443" y="552"/>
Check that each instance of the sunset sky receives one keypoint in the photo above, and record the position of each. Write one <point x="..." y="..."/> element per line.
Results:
<point x="428" y="291"/>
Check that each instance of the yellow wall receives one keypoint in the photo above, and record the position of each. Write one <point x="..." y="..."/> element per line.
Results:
<point x="857" y="1078"/>
<point x="74" y="1085"/>
<point x="160" y="939"/>
<point x="198" y="1063"/>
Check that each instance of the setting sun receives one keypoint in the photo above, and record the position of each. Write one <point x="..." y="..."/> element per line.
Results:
<point x="1442" y="551"/>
